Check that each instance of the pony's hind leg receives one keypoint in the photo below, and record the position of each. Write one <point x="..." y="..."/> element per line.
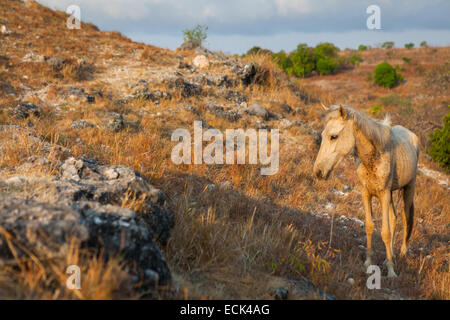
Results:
<point x="385" y="200"/>
<point x="367" y="201"/>
<point x="392" y="224"/>
<point x="407" y="215"/>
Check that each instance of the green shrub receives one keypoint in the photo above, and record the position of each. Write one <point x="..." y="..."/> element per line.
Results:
<point x="303" y="61"/>
<point x="440" y="144"/>
<point x="327" y="65"/>
<point x="257" y="50"/>
<point x="299" y="62"/>
<point x="407" y="60"/>
<point x="424" y="44"/>
<point x="386" y="76"/>
<point x="388" y="45"/>
<point x="376" y="110"/>
<point x="356" y="59"/>
<point x="362" y="47"/>
<point x="409" y="45"/>
<point x="197" y="34"/>
<point x="327" y="50"/>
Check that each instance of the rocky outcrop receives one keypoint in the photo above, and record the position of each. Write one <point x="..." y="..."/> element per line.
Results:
<point x="87" y="204"/>
<point x="25" y="109"/>
<point x="220" y="111"/>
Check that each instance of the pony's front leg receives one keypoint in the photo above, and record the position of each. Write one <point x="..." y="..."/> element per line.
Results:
<point x="367" y="201"/>
<point x="385" y="200"/>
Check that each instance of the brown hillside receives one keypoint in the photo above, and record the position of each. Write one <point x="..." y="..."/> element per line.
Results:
<point x="237" y="234"/>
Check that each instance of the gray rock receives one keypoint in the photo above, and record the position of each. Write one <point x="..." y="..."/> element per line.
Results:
<point x="90" y="98"/>
<point x="257" y="110"/>
<point x="221" y="81"/>
<point x="299" y="111"/>
<point x="219" y="111"/>
<point x="187" y="89"/>
<point x="189" y="45"/>
<point x="201" y="61"/>
<point x="140" y="90"/>
<point x="191" y="109"/>
<point x="234" y="96"/>
<point x="211" y="54"/>
<point x="116" y="124"/>
<point x="25" y="109"/>
<point x="56" y="63"/>
<point x="246" y="73"/>
<point x="308" y="288"/>
<point x="279" y="293"/>
<point x="4" y="30"/>
<point x="76" y="91"/>
<point x="81" y="124"/>
<point x="280" y="107"/>
<point x="86" y="207"/>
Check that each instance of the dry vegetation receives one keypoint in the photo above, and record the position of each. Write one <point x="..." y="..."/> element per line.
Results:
<point x="234" y="242"/>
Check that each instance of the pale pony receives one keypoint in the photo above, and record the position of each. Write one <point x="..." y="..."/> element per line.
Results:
<point x="388" y="161"/>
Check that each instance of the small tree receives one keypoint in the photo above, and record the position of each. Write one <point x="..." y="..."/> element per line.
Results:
<point x="362" y="47"/>
<point x="197" y="34"/>
<point x="326" y="49"/>
<point x="302" y="61"/>
<point x="440" y="144"/>
<point x="424" y="44"/>
<point x="327" y="65"/>
<point x="258" y="50"/>
<point x="386" y="76"/>
<point x="409" y="45"/>
<point x="388" y="45"/>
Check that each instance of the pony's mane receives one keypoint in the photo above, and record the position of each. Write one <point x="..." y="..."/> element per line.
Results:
<point x="377" y="132"/>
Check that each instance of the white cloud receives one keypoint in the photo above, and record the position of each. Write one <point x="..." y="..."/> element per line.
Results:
<point x="289" y="7"/>
<point x="270" y="19"/>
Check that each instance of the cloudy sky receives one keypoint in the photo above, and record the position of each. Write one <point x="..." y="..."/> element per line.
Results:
<point x="237" y="25"/>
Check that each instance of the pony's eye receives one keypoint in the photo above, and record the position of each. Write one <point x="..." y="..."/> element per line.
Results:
<point x="333" y="137"/>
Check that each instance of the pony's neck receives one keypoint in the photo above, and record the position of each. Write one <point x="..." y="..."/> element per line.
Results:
<point x="365" y="149"/>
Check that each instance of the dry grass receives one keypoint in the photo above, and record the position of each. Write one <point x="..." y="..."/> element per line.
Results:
<point x="31" y="277"/>
<point x="227" y="243"/>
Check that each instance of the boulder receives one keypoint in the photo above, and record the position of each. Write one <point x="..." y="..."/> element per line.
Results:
<point x="257" y="110"/>
<point x="25" y="109"/>
<point x="189" y="45"/>
<point x="219" y="111"/>
<point x="4" y="30"/>
<point x="234" y="96"/>
<point x="245" y="73"/>
<point x="81" y="124"/>
<point x="187" y="89"/>
<point x="86" y="207"/>
<point x="200" y="62"/>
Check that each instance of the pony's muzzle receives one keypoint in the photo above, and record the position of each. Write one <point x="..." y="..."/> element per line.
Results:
<point x="321" y="174"/>
<point x="318" y="173"/>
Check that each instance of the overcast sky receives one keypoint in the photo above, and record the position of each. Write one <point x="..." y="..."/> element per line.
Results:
<point x="237" y="25"/>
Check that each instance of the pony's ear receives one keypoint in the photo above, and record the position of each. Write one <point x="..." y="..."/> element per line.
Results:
<point x="342" y="112"/>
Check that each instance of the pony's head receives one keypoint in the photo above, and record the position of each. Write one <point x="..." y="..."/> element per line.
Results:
<point x="338" y="140"/>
